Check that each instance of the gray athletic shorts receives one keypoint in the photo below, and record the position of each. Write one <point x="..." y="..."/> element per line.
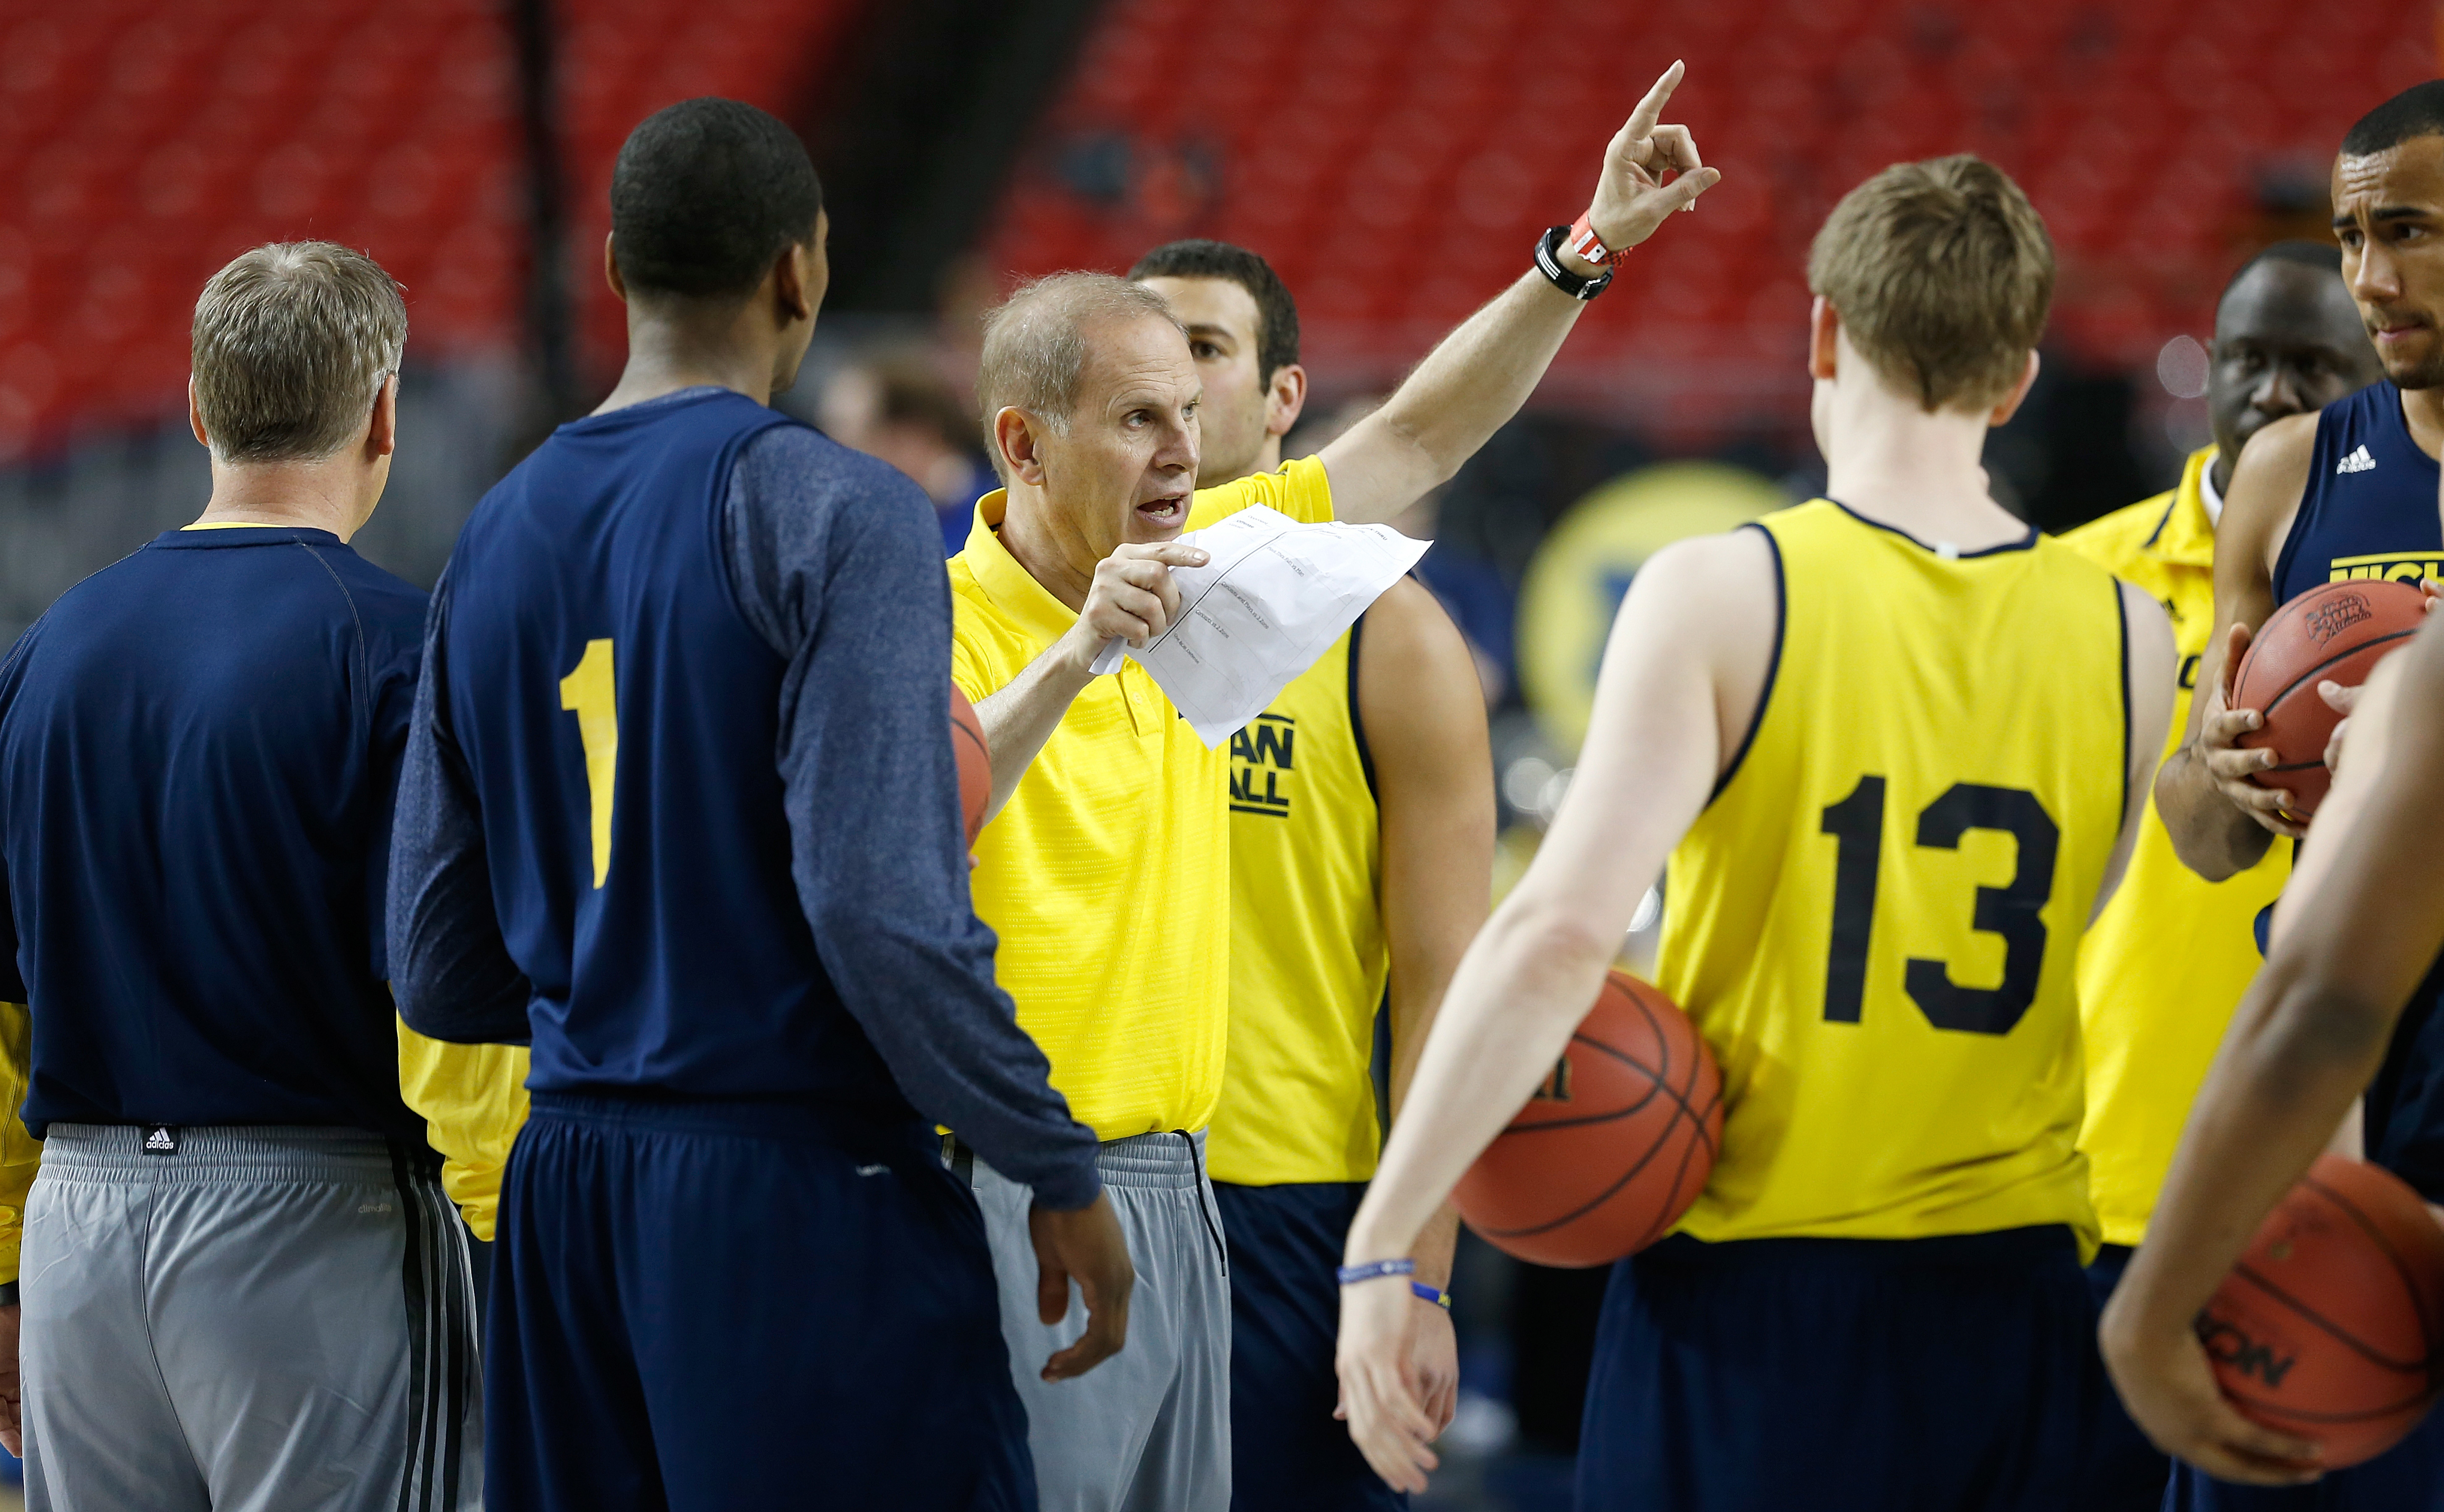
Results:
<point x="1149" y="1430"/>
<point x="259" y="1319"/>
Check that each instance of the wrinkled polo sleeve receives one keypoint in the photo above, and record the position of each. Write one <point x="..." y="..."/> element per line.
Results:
<point x="836" y="563"/>
<point x="1300" y="488"/>
<point x="473" y="1098"/>
<point x="21" y="1154"/>
<point x="451" y="970"/>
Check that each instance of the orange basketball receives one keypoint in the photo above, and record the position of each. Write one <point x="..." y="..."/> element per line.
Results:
<point x="2338" y="632"/>
<point x="2331" y="1325"/>
<point x="976" y="763"/>
<point x="1613" y="1148"/>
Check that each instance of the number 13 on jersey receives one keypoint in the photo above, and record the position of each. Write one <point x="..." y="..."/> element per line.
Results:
<point x="1856" y="825"/>
<point x="592" y="693"/>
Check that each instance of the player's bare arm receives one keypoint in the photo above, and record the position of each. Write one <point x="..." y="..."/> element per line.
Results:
<point x="1133" y="597"/>
<point x="2361" y="922"/>
<point x="2150" y="665"/>
<point x="1424" y="716"/>
<point x="2220" y="822"/>
<point x="1687" y="661"/>
<point x="1480" y="374"/>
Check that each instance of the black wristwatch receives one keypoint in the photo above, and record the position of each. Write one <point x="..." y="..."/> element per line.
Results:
<point x="1548" y="262"/>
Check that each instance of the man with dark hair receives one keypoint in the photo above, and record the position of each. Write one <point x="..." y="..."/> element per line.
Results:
<point x="680" y="808"/>
<point x="1361" y="851"/>
<point x="243" y="1286"/>
<point x="2171" y="954"/>
<point x="2349" y="492"/>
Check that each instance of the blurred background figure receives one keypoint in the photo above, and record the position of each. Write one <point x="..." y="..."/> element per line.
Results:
<point x="897" y="405"/>
<point x="1368" y="149"/>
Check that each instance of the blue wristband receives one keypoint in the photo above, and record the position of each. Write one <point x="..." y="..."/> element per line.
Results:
<point x="1352" y="1275"/>
<point x="1431" y="1293"/>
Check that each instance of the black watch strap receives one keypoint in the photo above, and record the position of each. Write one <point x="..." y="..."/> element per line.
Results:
<point x="7" y="1294"/>
<point x="1548" y="262"/>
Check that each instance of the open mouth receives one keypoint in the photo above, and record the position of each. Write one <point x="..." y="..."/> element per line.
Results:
<point x="1170" y="510"/>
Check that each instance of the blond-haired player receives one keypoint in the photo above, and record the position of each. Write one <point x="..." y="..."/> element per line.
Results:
<point x="1894" y="744"/>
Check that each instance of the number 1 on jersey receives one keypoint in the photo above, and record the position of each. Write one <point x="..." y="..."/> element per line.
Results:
<point x="592" y="693"/>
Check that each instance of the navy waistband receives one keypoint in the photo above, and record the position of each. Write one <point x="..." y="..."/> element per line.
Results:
<point x="743" y="1119"/>
<point x="2043" y="1243"/>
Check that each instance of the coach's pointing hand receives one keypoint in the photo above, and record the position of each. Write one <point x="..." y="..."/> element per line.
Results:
<point x="1086" y="1245"/>
<point x="1133" y="597"/>
<point x="1631" y="197"/>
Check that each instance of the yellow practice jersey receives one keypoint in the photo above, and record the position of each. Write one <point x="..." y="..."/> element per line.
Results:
<point x="1107" y="874"/>
<point x="1307" y="957"/>
<point x="2170" y="957"/>
<point x="473" y="1098"/>
<point x="1875" y="920"/>
<point x="21" y="1154"/>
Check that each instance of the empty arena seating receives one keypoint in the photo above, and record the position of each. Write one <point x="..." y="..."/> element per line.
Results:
<point x="1395" y="157"/>
<point x="144" y="143"/>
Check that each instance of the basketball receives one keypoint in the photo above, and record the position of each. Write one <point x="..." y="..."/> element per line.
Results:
<point x="2331" y="1324"/>
<point x="2338" y="632"/>
<point x="976" y="763"/>
<point x="1613" y="1147"/>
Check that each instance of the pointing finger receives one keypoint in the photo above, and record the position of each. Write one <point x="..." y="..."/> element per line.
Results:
<point x="1650" y="110"/>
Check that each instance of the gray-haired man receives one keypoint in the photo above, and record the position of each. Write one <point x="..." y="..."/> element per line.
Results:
<point x="1107" y="871"/>
<point x="243" y="1286"/>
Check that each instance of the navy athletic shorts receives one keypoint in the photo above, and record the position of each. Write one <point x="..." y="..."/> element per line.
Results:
<point x="1287" y="1451"/>
<point x="1842" y="1375"/>
<point x="705" y="1307"/>
<point x="2125" y="1472"/>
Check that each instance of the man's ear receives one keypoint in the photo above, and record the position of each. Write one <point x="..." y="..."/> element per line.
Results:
<point x="195" y="415"/>
<point x="611" y="270"/>
<point x="798" y="278"/>
<point x="2002" y="413"/>
<point x="1285" y="400"/>
<point x="1824" y="339"/>
<point x="1014" y="437"/>
<point x="382" y="435"/>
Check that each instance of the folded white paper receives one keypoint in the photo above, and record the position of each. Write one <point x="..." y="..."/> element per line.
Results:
<point x="1272" y="597"/>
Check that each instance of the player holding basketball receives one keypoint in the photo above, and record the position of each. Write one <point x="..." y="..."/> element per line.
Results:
<point x="679" y="805"/>
<point x="1106" y="871"/>
<point x="1362" y="842"/>
<point x="1896" y="747"/>
<point x="2171" y="954"/>
<point x="2360" y="923"/>
<point x="2350" y="491"/>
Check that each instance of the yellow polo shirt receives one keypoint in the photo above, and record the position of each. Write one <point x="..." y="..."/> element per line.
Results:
<point x="2168" y="960"/>
<point x="1107" y="874"/>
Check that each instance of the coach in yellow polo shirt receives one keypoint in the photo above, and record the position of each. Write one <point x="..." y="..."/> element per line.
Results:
<point x="2164" y="967"/>
<point x="1105" y="870"/>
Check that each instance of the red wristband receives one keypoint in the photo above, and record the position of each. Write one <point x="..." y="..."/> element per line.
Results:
<point x="1584" y="244"/>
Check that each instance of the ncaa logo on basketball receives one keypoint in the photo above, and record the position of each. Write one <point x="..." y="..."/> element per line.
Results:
<point x="2331" y="619"/>
<point x="2228" y="1343"/>
<point x="1555" y="1088"/>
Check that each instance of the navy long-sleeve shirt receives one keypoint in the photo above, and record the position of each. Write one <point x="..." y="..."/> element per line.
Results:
<point x="679" y="802"/>
<point x="197" y="750"/>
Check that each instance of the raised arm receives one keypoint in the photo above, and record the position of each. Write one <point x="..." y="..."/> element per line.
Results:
<point x="1484" y="371"/>
<point x="1423" y="714"/>
<point x="2220" y="823"/>
<point x="1682" y="673"/>
<point x="2361" y="922"/>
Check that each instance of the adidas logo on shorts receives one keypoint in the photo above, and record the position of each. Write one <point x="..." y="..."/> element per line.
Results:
<point x="160" y="1140"/>
<point x="2357" y="461"/>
